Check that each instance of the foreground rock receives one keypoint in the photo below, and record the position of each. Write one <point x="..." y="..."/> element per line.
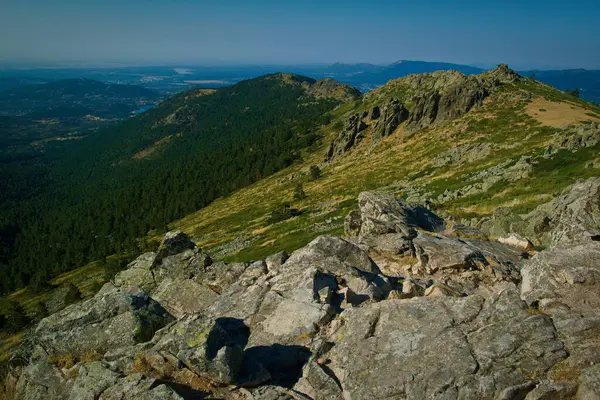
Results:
<point x="408" y="307"/>
<point x="113" y="318"/>
<point x="467" y="348"/>
<point x="564" y="283"/>
<point x="571" y="218"/>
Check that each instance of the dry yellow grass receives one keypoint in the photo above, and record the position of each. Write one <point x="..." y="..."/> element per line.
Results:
<point x="558" y="114"/>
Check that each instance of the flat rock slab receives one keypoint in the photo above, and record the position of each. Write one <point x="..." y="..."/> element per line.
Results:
<point x="181" y="297"/>
<point x="441" y="348"/>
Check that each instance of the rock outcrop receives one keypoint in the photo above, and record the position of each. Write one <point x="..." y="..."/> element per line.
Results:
<point x="332" y="89"/>
<point x="113" y="318"/>
<point x="420" y="101"/>
<point x="573" y="217"/>
<point x="409" y="306"/>
<point x="352" y="134"/>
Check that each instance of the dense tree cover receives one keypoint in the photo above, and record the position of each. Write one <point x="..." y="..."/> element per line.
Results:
<point x="83" y="200"/>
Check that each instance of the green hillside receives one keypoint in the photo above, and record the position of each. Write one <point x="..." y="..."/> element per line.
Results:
<point x="273" y="162"/>
<point x="516" y="147"/>
<point x="93" y="197"/>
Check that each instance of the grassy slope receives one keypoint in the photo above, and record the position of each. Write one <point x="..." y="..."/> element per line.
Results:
<point x="397" y="162"/>
<point x="400" y="161"/>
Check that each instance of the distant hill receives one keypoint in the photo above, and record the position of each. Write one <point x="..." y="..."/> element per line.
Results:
<point x="10" y="82"/>
<point x="370" y="76"/>
<point x="88" y="93"/>
<point x="587" y="81"/>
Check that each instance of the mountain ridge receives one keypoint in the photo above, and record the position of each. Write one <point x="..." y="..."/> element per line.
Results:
<point x="471" y="208"/>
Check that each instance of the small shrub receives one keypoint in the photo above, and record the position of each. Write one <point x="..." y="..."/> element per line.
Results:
<point x="543" y="110"/>
<point x="299" y="193"/>
<point x="113" y="267"/>
<point x="68" y="361"/>
<point x="38" y="311"/>
<point x="573" y="92"/>
<point x="95" y="287"/>
<point x="64" y="361"/>
<point x="15" y="317"/>
<point x="282" y="213"/>
<point x="315" y="172"/>
<point x="39" y="282"/>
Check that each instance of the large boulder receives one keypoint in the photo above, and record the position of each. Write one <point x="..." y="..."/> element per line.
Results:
<point x="177" y="258"/>
<point x="565" y="283"/>
<point x="139" y="273"/>
<point x="571" y="218"/>
<point x="96" y="380"/>
<point x="333" y="254"/>
<point x="211" y="348"/>
<point x="446" y="347"/>
<point x="382" y="213"/>
<point x="181" y="297"/>
<point x="111" y="319"/>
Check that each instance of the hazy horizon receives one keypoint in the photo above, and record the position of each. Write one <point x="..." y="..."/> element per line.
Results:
<point x="525" y="35"/>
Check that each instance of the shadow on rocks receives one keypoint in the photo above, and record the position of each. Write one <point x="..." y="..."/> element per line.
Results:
<point x="227" y="332"/>
<point x="283" y="363"/>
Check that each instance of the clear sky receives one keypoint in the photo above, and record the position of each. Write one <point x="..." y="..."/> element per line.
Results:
<point x="524" y="34"/>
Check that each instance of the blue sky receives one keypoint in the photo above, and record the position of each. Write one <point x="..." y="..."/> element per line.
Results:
<point x="524" y="34"/>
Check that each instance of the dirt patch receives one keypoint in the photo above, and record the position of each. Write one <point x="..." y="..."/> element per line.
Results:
<point x="147" y="152"/>
<point x="558" y="114"/>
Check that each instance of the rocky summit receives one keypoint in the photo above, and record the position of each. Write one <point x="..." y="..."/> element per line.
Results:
<point x="409" y="305"/>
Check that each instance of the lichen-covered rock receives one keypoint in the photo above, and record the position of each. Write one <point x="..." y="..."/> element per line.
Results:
<point x="565" y="283"/>
<point x="517" y="241"/>
<point x="138" y="273"/>
<point x="413" y="349"/>
<point x="42" y="380"/>
<point x="571" y="218"/>
<point x="411" y="308"/>
<point x="181" y="297"/>
<point x="352" y="134"/>
<point x="111" y="319"/>
<point x="384" y="213"/>
<point x="589" y="387"/>
<point x="212" y="348"/>
<point x="463" y="154"/>
<point x="177" y="258"/>
<point x="333" y="254"/>
<point x="552" y="391"/>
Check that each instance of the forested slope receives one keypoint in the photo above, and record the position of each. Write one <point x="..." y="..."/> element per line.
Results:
<point x="94" y="197"/>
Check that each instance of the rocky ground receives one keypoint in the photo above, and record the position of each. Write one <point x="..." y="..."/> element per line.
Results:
<point x="408" y="306"/>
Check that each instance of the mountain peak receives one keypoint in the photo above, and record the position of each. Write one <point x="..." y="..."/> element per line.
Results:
<point x="502" y="73"/>
<point x="332" y="89"/>
<point x="327" y="88"/>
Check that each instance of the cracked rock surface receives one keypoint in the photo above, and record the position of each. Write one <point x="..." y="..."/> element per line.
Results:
<point x="407" y="306"/>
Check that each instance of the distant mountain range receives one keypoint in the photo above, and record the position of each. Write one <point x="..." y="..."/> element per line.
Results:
<point x="369" y="76"/>
<point x="361" y="75"/>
